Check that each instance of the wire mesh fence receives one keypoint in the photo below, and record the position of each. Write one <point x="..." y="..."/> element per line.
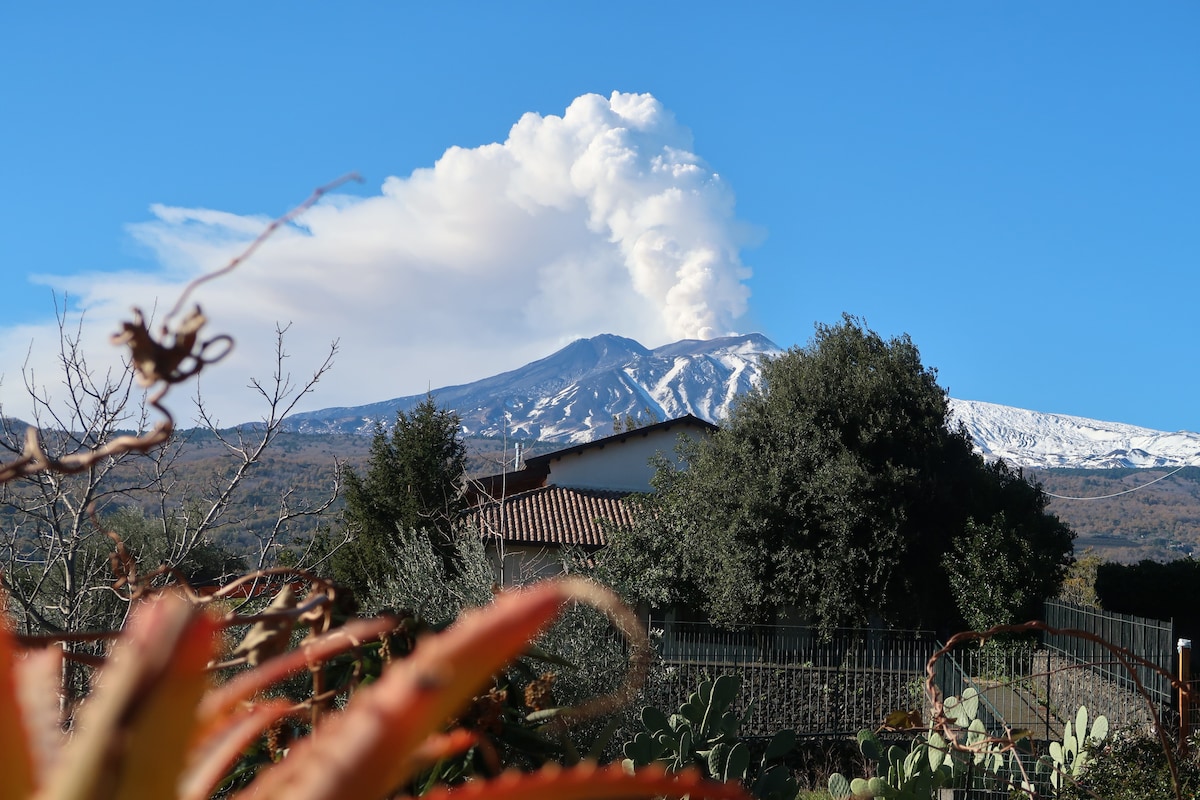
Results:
<point x="839" y="682"/>
<point x="836" y="684"/>
<point x="798" y="678"/>
<point x="1150" y="639"/>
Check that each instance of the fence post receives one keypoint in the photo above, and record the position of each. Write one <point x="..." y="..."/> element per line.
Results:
<point x="1049" y="687"/>
<point x="1185" y="707"/>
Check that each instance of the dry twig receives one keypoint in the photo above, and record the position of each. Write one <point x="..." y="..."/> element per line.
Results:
<point x="174" y="356"/>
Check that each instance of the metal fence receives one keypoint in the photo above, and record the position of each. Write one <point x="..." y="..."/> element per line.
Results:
<point x="1150" y="639"/>
<point x="837" y="684"/>
<point x="798" y="678"/>
<point x="1001" y="679"/>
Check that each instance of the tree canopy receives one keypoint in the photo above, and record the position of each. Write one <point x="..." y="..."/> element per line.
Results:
<point x="1155" y="590"/>
<point x="837" y="489"/>
<point x="411" y="484"/>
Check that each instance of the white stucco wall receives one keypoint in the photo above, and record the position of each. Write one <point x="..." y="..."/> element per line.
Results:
<point x="619" y="466"/>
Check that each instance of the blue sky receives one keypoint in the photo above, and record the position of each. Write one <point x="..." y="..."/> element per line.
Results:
<point x="1015" y="185"/>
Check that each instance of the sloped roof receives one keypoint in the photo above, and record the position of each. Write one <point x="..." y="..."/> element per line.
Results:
<point x="554" y="515"/>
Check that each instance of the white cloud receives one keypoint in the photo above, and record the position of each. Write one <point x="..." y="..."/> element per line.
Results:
<point x="601" y="220"/>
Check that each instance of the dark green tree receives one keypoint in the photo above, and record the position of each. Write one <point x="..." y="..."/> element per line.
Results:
<point x="1154" y="589"/>
<point x="1010" y="556"/>
<point x="836" y="489"/>
<point x="411" y="483"/>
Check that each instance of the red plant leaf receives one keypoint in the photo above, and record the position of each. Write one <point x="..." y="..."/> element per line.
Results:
<point x="369" y="750"/>
<point x="590" y="782"/>
<point x="210" y="759"/>
<point x="19" y="779"/>
<point x="135" y="730"/>
<point x="445" y="745"/>
<point x="39" y="693"/>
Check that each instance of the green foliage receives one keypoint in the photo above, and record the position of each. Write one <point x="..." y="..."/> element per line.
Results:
<point x="1154" y="590"/>
<point x="580" y="656"/>
<point x="1079" y="587"/>
<point x="150" y="540"/>
<point x="646" y="564"/>
<point x="704" y="734"/>
<point x="1002" y="569"/>
<point x="837" y="488"/>
<point x="1068" y="759"/>
<point x="1132" y="767"/>
<point x="411" y="483"/>
<point x="591" y="659"/>
<point x="417" y="581"/>
<point x="930" y="763"/>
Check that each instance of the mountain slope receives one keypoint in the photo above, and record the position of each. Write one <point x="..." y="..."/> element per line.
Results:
<point x="572" y="395"/>
<point x="1034" y="439"/>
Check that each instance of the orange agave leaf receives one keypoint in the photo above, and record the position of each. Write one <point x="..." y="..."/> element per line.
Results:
<point x="135" y="730"/>
<point x="211" y="759"/>
<point x="39" y="693"/>
<point x="590" y="782"/>
<point x="18" y="782"/>
<point x="445" y="745"/>
<point x="368" y="750"/>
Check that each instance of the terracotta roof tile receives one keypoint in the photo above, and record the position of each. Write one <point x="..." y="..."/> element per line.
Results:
<point x="554" y="515"/>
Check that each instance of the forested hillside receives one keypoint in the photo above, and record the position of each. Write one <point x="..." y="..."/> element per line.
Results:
<point x="1160" y="521"/>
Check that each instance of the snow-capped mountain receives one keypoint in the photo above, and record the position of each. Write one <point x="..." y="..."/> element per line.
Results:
<point x="572" y="396"/>
<point x="1034" y="439"/>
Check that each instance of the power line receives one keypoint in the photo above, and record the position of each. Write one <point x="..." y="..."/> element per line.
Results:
<point x="1114" y="494"/>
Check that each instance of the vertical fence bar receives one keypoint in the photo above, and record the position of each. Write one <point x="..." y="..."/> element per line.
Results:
<point x="814" y="683"/>
<point x="1185" y="705"/>
<point x="1048" y="676"/>
<point x="1151" y="639"/>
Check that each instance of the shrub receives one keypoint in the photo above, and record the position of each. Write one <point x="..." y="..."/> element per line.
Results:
<point x="157" y="727"/>
<point x="1129" y="766"/>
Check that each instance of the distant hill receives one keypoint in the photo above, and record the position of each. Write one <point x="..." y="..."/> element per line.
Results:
<point x="1160" y="521"/>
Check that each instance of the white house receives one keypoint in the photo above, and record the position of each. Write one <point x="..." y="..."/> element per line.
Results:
<point x="564" y="499"/>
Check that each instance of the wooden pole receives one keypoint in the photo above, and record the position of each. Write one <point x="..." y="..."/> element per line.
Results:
<point x="1185" y="706"/>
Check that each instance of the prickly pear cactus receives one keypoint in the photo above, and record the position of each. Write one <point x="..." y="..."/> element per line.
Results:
<point x="704" y="733"/>
<point x="929" y="763"/>
<point x="912" y="774"/>
<point x="1068" y="758"/>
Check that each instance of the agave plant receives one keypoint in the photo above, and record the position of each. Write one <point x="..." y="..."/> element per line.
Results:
<point x="157" y="727"/>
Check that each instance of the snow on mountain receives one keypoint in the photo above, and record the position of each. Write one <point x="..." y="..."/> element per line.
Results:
<point x="572" y="396"/>
<point x="1035" y="439"/>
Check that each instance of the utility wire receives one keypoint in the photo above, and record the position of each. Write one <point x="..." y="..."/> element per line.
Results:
<point x="1114" y="494"/>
